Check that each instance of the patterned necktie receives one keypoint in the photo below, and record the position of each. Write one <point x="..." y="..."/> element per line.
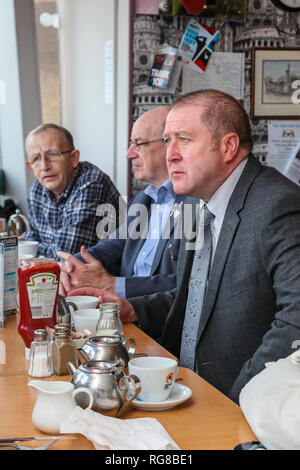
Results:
<point x="196" y="293"/>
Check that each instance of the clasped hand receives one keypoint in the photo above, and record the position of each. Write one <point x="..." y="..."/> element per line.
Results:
<point x="76" y="274"/>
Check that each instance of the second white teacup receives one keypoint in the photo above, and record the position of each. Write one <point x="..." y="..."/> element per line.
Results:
<point x="157" y="376"/>
<point x="27" y="247"/>
<point x="79" y="302"/>
<point x="86" y="319"/>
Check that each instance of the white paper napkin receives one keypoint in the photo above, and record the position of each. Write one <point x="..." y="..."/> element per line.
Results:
<point x="107" y="433"/>
<point x="270" y="402"/>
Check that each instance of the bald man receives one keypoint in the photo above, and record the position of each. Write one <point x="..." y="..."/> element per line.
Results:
<point x="142" y="261"/>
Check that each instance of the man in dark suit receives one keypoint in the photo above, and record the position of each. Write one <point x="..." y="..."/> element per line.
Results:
<point x="251" y="309"/>
<point x="139" y="259"/>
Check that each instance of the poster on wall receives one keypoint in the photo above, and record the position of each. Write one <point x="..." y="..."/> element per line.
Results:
<point x="197" y="45"/>
<point x="162" y="67"/>
<point x="231" y="10"/>
<point x="225" y="72"/>
<point x="283" y="143"/>
<point x="292" y="170"/>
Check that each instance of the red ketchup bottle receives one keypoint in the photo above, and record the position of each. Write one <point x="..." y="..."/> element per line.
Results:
<point x="38" y="293"/>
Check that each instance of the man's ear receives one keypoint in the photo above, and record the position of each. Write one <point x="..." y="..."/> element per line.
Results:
<point x="75" y="158"/>
<point x="28" y="166"/>
<point x="230" y="146"/>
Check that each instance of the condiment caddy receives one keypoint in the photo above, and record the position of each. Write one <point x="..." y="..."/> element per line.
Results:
<point x="107" y="386"/>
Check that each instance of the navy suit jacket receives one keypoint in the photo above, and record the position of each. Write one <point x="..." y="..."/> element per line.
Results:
<point x="118" y="256"/>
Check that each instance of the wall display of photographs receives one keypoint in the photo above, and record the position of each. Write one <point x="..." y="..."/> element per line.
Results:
<point x="265" y="26"/>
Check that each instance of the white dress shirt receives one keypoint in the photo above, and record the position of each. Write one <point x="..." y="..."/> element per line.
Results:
<point x="219" y="201"/>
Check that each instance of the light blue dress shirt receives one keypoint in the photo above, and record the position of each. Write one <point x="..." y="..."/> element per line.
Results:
<point x="163" y="200"/>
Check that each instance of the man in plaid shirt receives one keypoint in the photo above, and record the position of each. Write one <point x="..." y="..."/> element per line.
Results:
<point x="63" y="201"/>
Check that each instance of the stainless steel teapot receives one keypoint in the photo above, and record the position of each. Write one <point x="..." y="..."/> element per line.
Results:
<point x="109" y="349"/>
<point x="17" y="224"/>
<point x="112" y="390"/>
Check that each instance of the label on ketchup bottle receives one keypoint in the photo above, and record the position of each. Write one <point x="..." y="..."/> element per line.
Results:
<point x="42" y="289"/>
<point x="38" y="292"/>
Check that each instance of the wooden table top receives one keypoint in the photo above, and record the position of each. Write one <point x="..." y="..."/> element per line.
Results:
<point x="208" y="420"/>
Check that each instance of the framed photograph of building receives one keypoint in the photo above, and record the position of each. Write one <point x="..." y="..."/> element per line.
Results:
<point x="275" y="92"/>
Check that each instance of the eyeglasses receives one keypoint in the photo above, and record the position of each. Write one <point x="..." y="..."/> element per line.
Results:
<point x="36" y="160"/>
<point x="137" y="145"/>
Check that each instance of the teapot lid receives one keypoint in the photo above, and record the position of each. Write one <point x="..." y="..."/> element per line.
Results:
<point x="104" y="340"/>
<point x="100" y="367"/>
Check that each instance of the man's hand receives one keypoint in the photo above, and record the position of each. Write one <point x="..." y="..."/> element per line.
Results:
<point x="76" y="274"/>
<point x="127" y="314"/>
<point x="64" y="282"/>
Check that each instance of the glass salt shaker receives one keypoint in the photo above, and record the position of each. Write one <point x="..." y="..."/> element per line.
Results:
<point x="109" y="323"/>
<point x="40" y="363"/>
<point x="62" y="349"/>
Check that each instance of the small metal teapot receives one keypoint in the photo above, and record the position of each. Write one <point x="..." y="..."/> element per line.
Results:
<point x="17" y="224"/>
<point x="112" y="390"/>
<point x="109" y="349"/>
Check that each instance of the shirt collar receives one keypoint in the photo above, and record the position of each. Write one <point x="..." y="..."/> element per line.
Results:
<point x="219" y="201"/>
<point x="154" y="192"/>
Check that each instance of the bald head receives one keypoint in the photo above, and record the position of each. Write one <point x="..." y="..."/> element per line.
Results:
<point x="154" y="121"/>
<point x="149" y="159"/>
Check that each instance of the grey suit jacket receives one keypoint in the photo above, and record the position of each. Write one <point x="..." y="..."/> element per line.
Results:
<point x="251" y="312"/>
<point x="118" y="256"/>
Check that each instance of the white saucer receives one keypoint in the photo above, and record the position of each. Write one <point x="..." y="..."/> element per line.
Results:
<point x="179" y="394"/>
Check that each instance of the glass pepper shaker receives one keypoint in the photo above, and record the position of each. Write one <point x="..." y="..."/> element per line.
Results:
<point x="40" y="363"/>
<point x="62" y="349"/>
<point x="109" y="323"/>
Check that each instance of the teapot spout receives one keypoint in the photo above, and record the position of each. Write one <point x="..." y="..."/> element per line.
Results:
<point x="72" y="368"/>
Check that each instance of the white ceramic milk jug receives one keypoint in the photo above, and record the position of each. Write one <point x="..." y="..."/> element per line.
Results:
<point x="54" y="403"/>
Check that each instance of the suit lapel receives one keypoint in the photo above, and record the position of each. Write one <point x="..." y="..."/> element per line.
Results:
<point x="134" y="246"/>
<point x="162" y="241"/>
<point x="226" y="238"/>
<point x="224" y="244"/>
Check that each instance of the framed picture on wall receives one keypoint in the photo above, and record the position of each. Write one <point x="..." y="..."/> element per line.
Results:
<point x="275" y="92"/>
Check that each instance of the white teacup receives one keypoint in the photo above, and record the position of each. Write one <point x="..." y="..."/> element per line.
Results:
<point x="79" y="302"/>
<point x="157" y="376"/>
<point x="27" y="247"/>
<point x="86" y="319"/>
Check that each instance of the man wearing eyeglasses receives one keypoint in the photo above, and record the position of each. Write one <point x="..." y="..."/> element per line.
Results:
<point x="142" y="262"/>
<point x="63" y="200"/>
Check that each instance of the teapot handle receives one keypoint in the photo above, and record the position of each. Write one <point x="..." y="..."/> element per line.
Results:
<point x="88" y="392"/>
<point x="132" y="345"/>
<point x="124" y="381"/>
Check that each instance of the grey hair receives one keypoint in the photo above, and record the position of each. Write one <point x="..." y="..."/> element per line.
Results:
<point x="44" y="127"/>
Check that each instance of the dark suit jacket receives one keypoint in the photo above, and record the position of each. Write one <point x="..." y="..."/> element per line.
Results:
<point x="251" y="312"/>
<point x="118" y="256"/>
